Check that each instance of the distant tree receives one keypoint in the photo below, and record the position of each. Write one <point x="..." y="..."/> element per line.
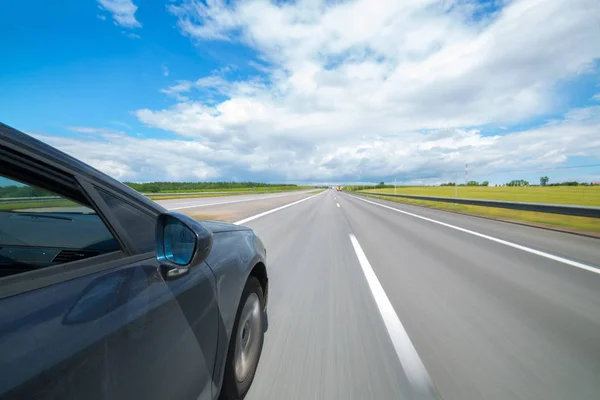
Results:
<point x="381" y="184"/>
<point x="569" y="183"/>
<point x="472" y="183"/>
<point x="485" y="183"/>
<point x="152" y="188"/>
<point x="520" y="182"/>
<point x="544" y="180"/>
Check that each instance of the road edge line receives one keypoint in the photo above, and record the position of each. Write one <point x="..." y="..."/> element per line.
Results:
<point x="405" y="350"/>
<point x="262" y="214"/>
<point x="553" y="257"/>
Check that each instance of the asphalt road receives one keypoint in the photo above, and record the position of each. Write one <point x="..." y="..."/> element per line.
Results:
<point x="232" y="208"/>
<point x="493" y="311"/>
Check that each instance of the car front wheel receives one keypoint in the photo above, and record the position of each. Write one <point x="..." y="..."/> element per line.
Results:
<point x="246" y="342"/>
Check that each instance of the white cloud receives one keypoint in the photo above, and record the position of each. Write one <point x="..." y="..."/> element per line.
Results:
<point x="165" y="70"/>
<point x="121" y="124"/>
<point x="92" y="130"/>
<point x="596" y="97"/>
<point x="210" y="84"/>
<point x="123" y="12"/>
<point x="413" y="156"/>
<point x="425" y="64"/>
<point x="102" y="17"/>
<point x="133" y="158"/>
<point x="216" y="17"/>
<point x="378" y="87"/>
<point x="131" y="35"/>
<point x="177" y="90"/>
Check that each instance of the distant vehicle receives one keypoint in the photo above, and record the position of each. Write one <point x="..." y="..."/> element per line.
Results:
<point x="339" y="188"/>
<point x="105" y="294"/>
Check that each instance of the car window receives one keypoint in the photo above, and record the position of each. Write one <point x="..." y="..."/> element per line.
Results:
<point x="139" y="225"/>
<point x="40" y="229"/>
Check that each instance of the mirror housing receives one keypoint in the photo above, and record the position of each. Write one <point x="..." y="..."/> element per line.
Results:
<point x="181" y="242"/>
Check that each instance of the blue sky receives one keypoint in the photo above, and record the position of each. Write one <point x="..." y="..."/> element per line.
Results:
<point x="70" y="67"/>
<point x="309" y="91"/>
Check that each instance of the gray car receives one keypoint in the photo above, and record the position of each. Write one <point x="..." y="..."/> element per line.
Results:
<point x="104" y="294"/>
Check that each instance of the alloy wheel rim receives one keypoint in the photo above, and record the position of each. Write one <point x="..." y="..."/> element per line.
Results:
<point x="247" y="338"/>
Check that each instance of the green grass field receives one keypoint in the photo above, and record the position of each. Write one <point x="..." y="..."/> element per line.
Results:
<point x="578" y="195"/>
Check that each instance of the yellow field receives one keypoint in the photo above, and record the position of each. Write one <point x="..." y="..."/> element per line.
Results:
<point x="579" y="195"/>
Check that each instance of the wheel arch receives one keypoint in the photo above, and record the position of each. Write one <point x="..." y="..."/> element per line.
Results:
<point x="259" y="271"/>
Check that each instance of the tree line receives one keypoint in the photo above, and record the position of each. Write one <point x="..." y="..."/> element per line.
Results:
<point x="168" y="187"/>
<point x="22" y="191"/>
<point x="544" y="182"/>
<point x="522" y="182"/>
<point x="470" y="183"/>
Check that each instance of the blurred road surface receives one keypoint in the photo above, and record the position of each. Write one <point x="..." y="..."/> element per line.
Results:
<point x="488" y="320"/>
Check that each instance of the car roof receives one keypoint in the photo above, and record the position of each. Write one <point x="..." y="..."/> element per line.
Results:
<point x="23" y="143"/>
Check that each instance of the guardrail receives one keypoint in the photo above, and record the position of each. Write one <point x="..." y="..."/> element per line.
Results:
<point x="564" y="209"/>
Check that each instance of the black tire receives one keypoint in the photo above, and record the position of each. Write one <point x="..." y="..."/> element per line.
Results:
<point x="233" y="388"/>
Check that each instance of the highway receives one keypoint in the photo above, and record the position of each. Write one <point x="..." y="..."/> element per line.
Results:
<point x="232" y="208"/>
<point x="371" y="299"/>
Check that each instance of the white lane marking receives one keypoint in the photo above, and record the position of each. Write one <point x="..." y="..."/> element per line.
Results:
<point x="493" y="239"/>
<point x="262" y="214"/>
<point x="338" y="204"/>
<point x="230" y="202"/>
<point x="407" y="354"/>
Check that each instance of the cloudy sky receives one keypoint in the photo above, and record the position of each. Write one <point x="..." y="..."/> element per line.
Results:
<point x="309" y="90"/>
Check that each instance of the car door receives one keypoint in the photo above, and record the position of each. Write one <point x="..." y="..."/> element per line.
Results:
<point x="84" y="310"/>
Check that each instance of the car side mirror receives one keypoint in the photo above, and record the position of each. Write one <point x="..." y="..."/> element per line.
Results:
<point x="181" y="243"/>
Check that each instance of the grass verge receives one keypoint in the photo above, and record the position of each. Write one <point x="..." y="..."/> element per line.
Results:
<point x="584" y="225"/>
<point x="193" y="196"/>
<point x="35" y="204"/>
